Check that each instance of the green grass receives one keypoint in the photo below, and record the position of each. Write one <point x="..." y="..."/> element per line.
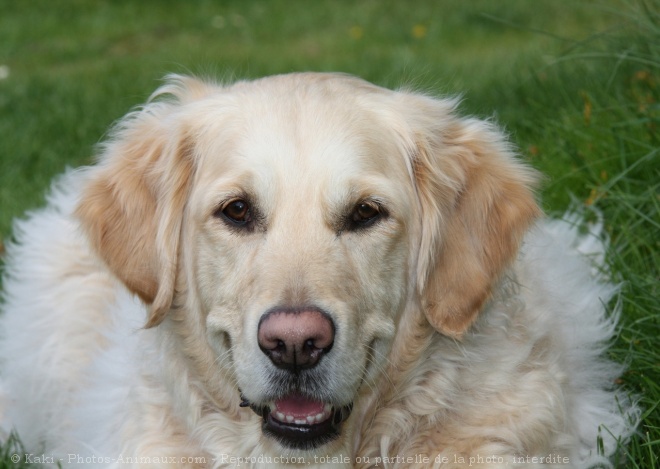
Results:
<point x="12" y="454"/>
<point x="576" y="84"/>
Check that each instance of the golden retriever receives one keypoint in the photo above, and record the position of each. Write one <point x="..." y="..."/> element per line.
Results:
<point x="306" y="269"/>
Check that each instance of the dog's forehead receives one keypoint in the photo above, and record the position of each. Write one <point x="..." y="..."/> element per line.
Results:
<point x="302" y="132"/>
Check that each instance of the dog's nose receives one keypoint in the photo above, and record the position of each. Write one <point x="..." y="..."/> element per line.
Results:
<point x="295" y="340"/>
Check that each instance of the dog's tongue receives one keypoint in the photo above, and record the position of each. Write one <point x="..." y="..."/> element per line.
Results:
<point x="298" y="406"/>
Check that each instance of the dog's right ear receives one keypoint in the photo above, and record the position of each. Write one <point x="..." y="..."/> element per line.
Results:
<point x="476" y="202"/>
<point x="132" y="206"/>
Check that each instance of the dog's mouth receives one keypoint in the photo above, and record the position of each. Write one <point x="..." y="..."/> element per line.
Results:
<point x="299" y="422"/>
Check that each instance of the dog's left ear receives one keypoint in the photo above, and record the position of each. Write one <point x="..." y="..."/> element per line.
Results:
<point x="476" y="203"/>
<point x="132" y="207"/>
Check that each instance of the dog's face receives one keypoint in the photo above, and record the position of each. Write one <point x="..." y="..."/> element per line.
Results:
<point x="296" y="220"/>
<point x="301" y="255"/>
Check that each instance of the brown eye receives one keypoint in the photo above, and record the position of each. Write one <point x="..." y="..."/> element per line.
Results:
<point x="364" y="215"/>
<point x="237" y="212"/>
<point x="365" y="212"/>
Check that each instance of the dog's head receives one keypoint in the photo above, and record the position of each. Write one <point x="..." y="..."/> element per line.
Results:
<point x="292" y="222"/>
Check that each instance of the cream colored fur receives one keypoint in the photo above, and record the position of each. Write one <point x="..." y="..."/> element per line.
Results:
<point x="469" y="331"/>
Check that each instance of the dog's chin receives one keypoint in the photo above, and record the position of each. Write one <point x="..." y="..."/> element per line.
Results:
<point x="298" y="422"/>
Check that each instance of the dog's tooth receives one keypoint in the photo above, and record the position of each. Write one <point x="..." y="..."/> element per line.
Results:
<point x="280" y="416"/>
<point x="327" y="408"/>
<point x="300" y="422"/>
<point x="311" y="419"/>
<point x="289" y="418"/>
<point x="320" y="417"/>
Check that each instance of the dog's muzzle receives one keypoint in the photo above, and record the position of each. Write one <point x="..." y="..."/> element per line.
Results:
<point x="295" y="340"/>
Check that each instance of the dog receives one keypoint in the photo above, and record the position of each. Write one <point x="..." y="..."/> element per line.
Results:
<point x="307" y="269"/>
